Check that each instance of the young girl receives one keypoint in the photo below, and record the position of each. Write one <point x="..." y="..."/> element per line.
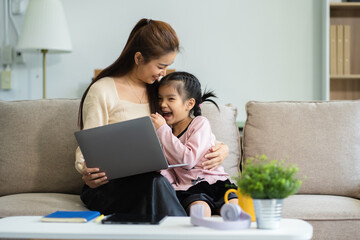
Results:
<point x="187" y="141"/>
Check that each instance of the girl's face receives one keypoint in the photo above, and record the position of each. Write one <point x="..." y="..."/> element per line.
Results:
<point x="174" y="109"/>
<point x="153" y="70"/>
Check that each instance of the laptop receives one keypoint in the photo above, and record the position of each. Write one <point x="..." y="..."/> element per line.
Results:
<point x="123" y="218"/>
<point x="123" y="149"/>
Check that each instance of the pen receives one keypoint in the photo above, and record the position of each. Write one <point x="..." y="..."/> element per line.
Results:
<point x="98" y="219"/>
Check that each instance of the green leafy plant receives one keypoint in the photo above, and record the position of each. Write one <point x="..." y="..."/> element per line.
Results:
<point x="262" y="178"/>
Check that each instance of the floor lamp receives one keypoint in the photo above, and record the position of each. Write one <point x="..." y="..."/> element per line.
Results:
<point x="45" y="29"/>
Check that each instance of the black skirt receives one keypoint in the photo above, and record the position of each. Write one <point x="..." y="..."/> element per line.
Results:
<point x="213" y="194"/>
<point x="147" y="194"/>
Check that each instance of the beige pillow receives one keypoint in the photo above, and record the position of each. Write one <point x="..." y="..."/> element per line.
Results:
<point x="225" y="129"/>
<point x="322" y="138"/>
<point x="37" y="146"/>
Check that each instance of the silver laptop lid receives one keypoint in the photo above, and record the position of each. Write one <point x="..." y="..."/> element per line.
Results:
<point x="123" y="149"/>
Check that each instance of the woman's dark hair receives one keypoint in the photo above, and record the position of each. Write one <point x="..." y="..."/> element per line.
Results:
<point x="188" y="86"/>
<point x="153" y="39"/>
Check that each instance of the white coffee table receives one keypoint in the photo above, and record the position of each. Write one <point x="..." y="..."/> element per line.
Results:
<point x="171" y="228"/>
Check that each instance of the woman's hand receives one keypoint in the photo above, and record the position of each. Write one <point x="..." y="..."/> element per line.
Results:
<point x="218" y="154"/>
<point x="157" y="120"/>
<point x="93" y="178"/>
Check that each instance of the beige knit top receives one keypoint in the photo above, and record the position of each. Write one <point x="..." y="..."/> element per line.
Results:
<point x="103" y="106"/>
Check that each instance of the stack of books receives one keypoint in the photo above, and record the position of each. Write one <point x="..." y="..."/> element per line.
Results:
<point x="340" y="49"/>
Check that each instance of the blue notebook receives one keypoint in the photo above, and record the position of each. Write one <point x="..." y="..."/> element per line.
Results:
<point x="71" y="216"/>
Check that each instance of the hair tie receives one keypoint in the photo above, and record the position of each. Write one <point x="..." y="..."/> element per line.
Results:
<point x="200" y="104"/>
<point x="148" y="20"/>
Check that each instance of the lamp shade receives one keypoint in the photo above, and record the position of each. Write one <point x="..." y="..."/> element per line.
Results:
<point x="45" y="27"/>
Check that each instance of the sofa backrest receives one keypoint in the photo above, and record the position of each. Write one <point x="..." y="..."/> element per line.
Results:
<point x="322" y="138"/>
<point x="224" y="126"/>
<point x="37" y="144"/>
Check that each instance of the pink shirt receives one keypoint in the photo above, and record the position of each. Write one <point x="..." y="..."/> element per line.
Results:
<point x="190" y="148"/>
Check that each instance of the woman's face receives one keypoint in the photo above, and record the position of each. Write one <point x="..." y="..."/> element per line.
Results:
<point x="155" y="69"/>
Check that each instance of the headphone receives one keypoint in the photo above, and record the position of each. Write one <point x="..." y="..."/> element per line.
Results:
<point x="232" y="214"/>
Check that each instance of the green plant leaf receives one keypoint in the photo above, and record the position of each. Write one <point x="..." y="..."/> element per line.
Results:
<point x="262" y="178"/>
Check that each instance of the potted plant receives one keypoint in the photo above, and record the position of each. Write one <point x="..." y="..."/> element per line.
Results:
<point x="268" y="182"/>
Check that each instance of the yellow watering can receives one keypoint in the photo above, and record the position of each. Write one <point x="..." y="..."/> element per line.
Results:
<point x="245" y="202"/>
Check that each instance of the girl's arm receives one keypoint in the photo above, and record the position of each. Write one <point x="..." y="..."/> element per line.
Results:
<point x="217" y="154"/>
<point x="199" y="140"/>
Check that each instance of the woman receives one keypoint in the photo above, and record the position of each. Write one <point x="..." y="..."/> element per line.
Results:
<point x="127" y="90"/>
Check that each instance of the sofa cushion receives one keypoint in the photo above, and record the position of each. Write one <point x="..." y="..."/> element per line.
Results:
<point x="224" y="126"/>
<point x="321" y="207"/>
<point x="37" y="146"/>
<point x="332" y="217"/>
<point x="39" y="204"/>
<point x="322" y="138"/>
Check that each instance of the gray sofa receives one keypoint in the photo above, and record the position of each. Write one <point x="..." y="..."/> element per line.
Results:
<point x="37" y="150"/>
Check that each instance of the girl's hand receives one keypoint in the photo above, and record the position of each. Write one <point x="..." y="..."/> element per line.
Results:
<point x="218" y="154"/>
<point x="93" y="178"/>
<point x="157" y="120"/>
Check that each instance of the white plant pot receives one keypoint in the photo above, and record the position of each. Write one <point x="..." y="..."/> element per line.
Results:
<point x="268" y="213"/>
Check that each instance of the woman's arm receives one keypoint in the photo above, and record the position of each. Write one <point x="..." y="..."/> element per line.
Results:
<point x="93" y="178"/>
<point x="218" y="154"/>
<point x="94" y="114"/>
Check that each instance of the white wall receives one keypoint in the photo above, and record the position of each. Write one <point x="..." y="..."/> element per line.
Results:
<point x="264" y="50"/>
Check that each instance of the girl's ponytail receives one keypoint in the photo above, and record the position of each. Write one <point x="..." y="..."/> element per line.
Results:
<point x="205" y="97"/>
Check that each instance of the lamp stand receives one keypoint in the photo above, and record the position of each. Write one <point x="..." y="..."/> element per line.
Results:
<point x="44" y="51"/>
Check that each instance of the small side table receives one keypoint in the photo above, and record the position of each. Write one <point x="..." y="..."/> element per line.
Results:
<point x="176" y="228"/>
